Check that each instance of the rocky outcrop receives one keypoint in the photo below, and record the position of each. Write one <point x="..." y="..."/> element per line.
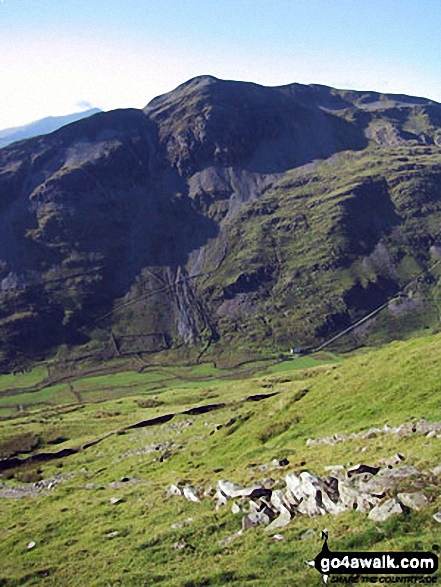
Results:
<point x="364" y="488"/>
<point x="422" y="427"/>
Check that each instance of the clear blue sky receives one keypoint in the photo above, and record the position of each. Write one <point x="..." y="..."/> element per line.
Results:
<point x="58" y="56"/>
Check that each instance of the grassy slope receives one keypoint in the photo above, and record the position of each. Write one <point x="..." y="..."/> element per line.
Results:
<point x="348" y="222"/>
<point x="398" y="383"/>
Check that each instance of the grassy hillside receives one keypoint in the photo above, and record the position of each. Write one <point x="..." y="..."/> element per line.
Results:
<point x="165" y="540"/>
<point x="326" y="245"/>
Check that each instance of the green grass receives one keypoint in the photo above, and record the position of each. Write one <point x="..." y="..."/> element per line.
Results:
<point x="27" y="379"/>
<point x="348" y="223"/>
<point x="398" y="383"/>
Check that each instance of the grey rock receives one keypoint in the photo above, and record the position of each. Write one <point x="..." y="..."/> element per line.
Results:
<point x="399" y="472"/>
<point x="406" y="429"/>
<point x="226" y="541"/>
<point x="360" y="469"/>
<point x="190" y="494"/>
<point x="277" y="537"/>
<point x="384" y="511"/>
<point x="279" y="501"/>
<point x="414" y="501"/>
<point x="437" y="470"/>
<point x="280" y="522"/>
<point x="255" y="519"/>
<point x="393" y="460"/>
<point x="437" y="517"/>
<point x="371" y="433"/>
<point x="308" y="534"/>
<point x="307" y="489"/>
<point x="235" y="509"/>
<point x="174" y="490"/>
<point x="233" y="490"/>
<point x="424" y="427"/>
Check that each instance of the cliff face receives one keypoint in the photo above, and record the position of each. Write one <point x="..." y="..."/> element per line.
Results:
<point x="208" y="216"/>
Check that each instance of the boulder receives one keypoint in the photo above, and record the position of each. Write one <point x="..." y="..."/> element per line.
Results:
<point x="233" y="490"/>
<point x="279" y="502"/>
<point x="406" y="429"/>
<point x="190" y="494"/>
<point x="235" y="509"/>
<point x="437" y="517"/>
<point x="306" y="488"/>
<point x="382" y="512"/>
<point x="390" y="462"/>
<point x="360" y="469"/>
<point x="424" y="427"/>
<point x="414" y="501"/>
<point x="280" y="522"/>
<point x="255" y="519"/>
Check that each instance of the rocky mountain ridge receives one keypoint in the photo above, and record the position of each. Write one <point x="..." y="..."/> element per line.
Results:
<point x="224" y="212"/>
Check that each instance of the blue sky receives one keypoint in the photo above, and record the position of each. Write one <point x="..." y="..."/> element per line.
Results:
<point x="58" y="56"/>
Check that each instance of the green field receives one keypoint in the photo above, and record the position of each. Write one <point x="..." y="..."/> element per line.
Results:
<point x="73" y="523"/>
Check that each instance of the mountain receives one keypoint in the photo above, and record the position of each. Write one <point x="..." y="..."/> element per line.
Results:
<point x="41" y="127"/>
<point x="225" y="217"/>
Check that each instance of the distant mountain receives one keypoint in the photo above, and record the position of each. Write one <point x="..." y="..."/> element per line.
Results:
<point x="225" y="216"/>
<point x="41" y="127"/>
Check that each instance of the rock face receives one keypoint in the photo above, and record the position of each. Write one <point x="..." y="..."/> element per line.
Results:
<point x="140" y="230"/>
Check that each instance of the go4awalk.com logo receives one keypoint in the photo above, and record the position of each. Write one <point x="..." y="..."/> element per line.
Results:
<point x="360" y="567"/>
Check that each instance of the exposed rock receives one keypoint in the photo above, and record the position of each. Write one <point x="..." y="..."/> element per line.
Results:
<point x="235" y="509"/>
<point x="174" y="490"/>
<point x="398" y="473"/>
<point x="115" y="500"/>
<point x="392" y="461"/>
<point x="179" y="525"/>
<point x="255" y="519"/>
<point x="437" y="470"/>
<point x="190" y="494"/>
<point x="280" y="502"/>
<point x="306" y="490"/>
<point x="277" y="537"/>
<point x="359" y="469"/>
<point x="425" y="427"/>
<point x="280" y="522"/>
<point x="112" y="534"/>
<point x="232" y="490"/>
<point x="382" y="512"/>
<point x="308" y="534"/>
<point x="31" y="545"/>
<point x="372" y="433"/>
<point x="437" y="517"/>
<point x="414" y="501"/>
<point x="226" y="541"/>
